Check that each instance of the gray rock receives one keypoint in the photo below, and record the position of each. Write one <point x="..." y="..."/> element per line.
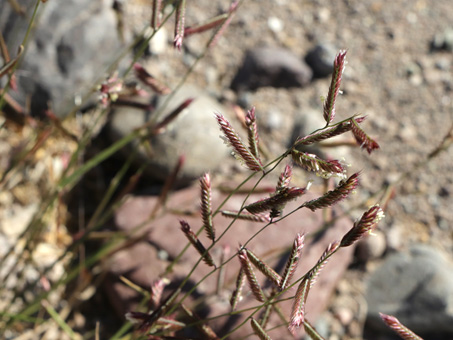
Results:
<point x="271" y="66"/>
<point x="69" y="50"/>
<point x="417" y="288"/>
<point x="194" y="134"/>
<point x="320" y="59"/>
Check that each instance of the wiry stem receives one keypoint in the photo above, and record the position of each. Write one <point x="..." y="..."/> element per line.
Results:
<point x="259" y="331"/>
<point x="311" y="331"/>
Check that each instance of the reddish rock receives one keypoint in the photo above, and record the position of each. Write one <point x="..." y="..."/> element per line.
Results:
<point x="141" y="265"/>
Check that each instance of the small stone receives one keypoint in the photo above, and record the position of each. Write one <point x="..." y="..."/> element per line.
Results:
<point x="371" y="247"/>
<point x="443" y="41"/>
<point x="344" y="315"/>
<point x="271" y="66"/>
<point x="323" y="14"/>
<point x="321" y="59"/>
<point x="16" y="220"/>
<point x="274" y="120"/>
<point x="394" y="238"/>
<point x="275" y="24"/>
<point x="159" y="43"/>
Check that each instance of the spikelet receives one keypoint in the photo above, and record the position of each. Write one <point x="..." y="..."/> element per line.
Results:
<point x="240" y="150"/>
<point x="193" y="239"/>
<point x="225" y="24"/>
<point x="236" y="296"/>
<point x="279" y="199"/>
<point x="245" y="216"/>
<point x="362" y="138"/>
<point x="146" y="78"/>
<point x="334" y="88"/>
<point x="366" y="224"/>
<point x="297" y="317"/>
<point x="404" y="332"/>
<point x="264" y="268"/>
<point x="206" y="207"/>
<point x="252" y="128"/>
<point x="343" y="190"/>
<point x="327" y="133"/>
<point x="321" y="167"/>
<point x="283" y="182"/>
<point x="313" y="274"/>
<point x="179" y="24"/>
<point x="246" y="265"/>
<point x="293" y="261"/>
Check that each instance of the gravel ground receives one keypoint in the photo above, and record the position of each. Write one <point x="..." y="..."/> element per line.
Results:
<point x="393" y="77"/>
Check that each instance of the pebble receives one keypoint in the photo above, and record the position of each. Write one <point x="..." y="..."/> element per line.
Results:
<point x="275" y="24"/>
<point x="320" y="59"/>
<point x="443" y="41"/>
<point x="344" y="315"/>
<point x="371" y="247"/>
<point x="159" y="43"/>
<point x="271" y="66"/>
<point x="394" y="238"/>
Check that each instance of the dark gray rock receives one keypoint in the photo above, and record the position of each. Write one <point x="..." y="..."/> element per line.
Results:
<point x="69" y="49"/>
<point x="320" y="59"/>
<point x="417" y="288"/>
<point x="194" y="134"/>
<point x="271" y="66"/>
